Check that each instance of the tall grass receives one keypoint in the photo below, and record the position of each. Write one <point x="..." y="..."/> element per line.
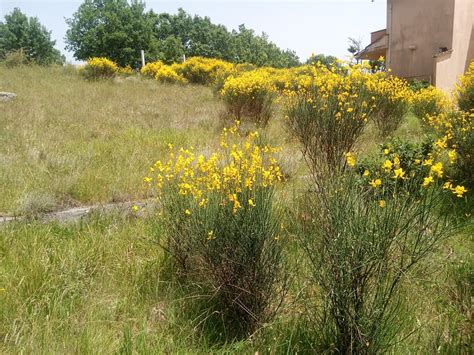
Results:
<point x="76" y="142"/>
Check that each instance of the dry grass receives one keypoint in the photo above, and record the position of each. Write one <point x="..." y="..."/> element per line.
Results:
<point x="73" y="142"/>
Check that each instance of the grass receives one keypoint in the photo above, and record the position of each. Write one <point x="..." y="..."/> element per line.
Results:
<point x="68" y="142"/>
<point x="103" y="285"/>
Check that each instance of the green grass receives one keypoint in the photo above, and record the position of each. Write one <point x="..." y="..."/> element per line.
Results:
<point x="103" y="285"/>
<point x="66" y="142"/>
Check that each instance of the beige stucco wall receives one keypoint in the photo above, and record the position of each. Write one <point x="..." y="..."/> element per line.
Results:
<point x="449" y="67"/>
<point x="417" y="29"/>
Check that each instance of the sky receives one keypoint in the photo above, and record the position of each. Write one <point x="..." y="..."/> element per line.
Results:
<point x="305" y="26"/>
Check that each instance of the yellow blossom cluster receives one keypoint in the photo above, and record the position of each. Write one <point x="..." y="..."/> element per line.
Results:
<point x="249" y="84"/>
<point x="204" y="71"/>
<point x="150" y="69"/>
<point x="465" y="90"/>
<point x="391" y="170"/>
<point x="239" y="165"/>
<point x="99" y="67"/>
<point x="430" y="101"/>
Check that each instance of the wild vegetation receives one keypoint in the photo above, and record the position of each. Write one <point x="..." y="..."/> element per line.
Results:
<point x="299" y="228"/>
<point x="118" y="30"/>
<point x="24" y="40"/>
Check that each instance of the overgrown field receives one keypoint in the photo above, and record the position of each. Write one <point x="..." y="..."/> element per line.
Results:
<point x="146" y="281"/>
<point x="67" y="142"/>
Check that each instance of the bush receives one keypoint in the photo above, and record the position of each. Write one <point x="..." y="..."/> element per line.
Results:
<point x="250" y="96"/>
<point x="361" y="249"/>
<point x="465" y="90"/>
<point x="392" y="100"/>
<point x="15" y="59"/>
<point x="456" y="131"/>
<point x="430" y="101"/>
<point x="205" y="71"/>
<point x="150" y="69"/>
<point x="167" y="74"/>
<point x="223" y="230"/>
<point x="328" y="117"/>
<point x="99" y="68"/>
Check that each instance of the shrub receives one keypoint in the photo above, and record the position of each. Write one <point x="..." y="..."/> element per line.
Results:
<point x="361" y="248"/>
<point x="455" y="130"/>
<point x="328" y="117"/>
<point x="15" y="59"/>
<point x="99" y="68"/>
<point x="126" y="71"/>
<point x="150" y="69"/>
<point x="167" y="74"/>
<point x="250" y="96"/>
<point x="392" y="100"/>
<point x="430" y="101"/>
<point x="205" y="71"/>
<point x="465" y="90"/>
<point x="400" y="166"/>
<point x="222" y="225"/>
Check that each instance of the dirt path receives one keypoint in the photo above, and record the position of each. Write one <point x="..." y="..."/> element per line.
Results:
<point x="77" y="213"/>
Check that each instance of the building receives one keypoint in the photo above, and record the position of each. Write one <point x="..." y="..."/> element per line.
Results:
<point x="430" y="40"/>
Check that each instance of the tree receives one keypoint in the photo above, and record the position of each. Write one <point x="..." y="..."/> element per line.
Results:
<point x="20" y="33"/>
<point x="355" y="46"/>
<point x="326" y="60"/>
<point x="200" y="37"/>
<point x="114" y="29"/>
<point x="171" y="50"/>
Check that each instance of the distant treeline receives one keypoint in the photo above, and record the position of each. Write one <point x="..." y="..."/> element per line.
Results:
<point x="118" y="30"/>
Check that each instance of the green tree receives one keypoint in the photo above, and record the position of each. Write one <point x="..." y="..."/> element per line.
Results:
<point x="171" y="50"/>
<point x="114" y="29"/>
<point x="326" y="60"/>
<point x="20" y="33"/>
<point x="200" y="37"/>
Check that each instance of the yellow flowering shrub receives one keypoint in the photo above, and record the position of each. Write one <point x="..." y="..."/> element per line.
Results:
<point x="430" y="101"/>
<point x="401" y="167"/>
<point x="199" y="70"/>
<point x="126" y="71"/>
<point x="167" y="74"/>
<point x="392" y="98"/>
<point x="328" y="116"/>
<point x="465" y="90"/>
<point x="219" y="214"/>
<point x="455" y="131"/>
<point x="250" y="96"/>
<point x="150" y="69"/>
<point x="97" y="68"/>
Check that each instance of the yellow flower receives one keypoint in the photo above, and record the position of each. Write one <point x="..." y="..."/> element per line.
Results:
<point x="134" y="208"/>
<point x="386" y="151"/>
<point x="437" y="169"/>
<point x="452" y="156"/>
<point x="427" y="181"/>
<point x="382" y="203"/>
<point x="387" y="165"/>
<point x="366" y="173"/>
<point x="147" y="179"/>
<point x="375" y="183"/>
<point x="399" y="173"/>
<point x="251" y="203"/>
<point x="428" y="162"/>
<point x="350" y="158"/>
<point x="187" y="212"/>
<point x="210" y="235"/>
<point x="396" y="161"/>
<point x="459" y="191"/>
<point x="448" y="185"/>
